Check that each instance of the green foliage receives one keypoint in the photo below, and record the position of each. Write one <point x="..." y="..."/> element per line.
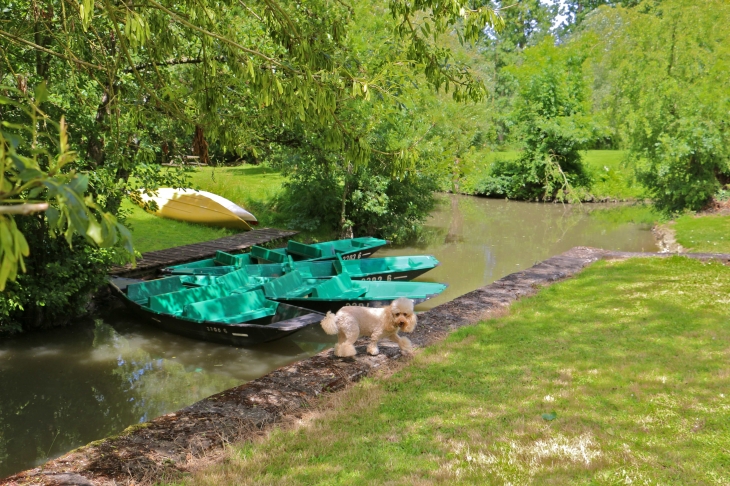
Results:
<point x="662" y="84"/>
<point x="59" y="282"/>
<point x="375" y="203"/>
<point x="550" y="112"/>
<point x="35" y="178"/>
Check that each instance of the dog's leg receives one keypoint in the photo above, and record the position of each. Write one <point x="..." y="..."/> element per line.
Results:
<point x="403" y="342"/>
<point x="374" y="338"/>
<point x="347" y="337"/>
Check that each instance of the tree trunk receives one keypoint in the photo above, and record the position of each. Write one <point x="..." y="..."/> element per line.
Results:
<point x="345" y="230"/>
<point x="200" y="146"/>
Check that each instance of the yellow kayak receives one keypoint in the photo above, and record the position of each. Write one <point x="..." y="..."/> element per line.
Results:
<point x="198" y="207"/>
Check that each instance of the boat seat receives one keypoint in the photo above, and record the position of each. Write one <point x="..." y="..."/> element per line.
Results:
<point x="307" y="251"/>
<point x="236" y="281"/>
<point x="289" y="286"/>
<point x="339" y="287"/>
<point x="410" y="265"/>
<point x="219" y="270"/>
<point x="174" y="302"/>
<point x="268" y="255"/>
<point x="232" y="309"/>
<point x="223" y="258"/>
<point x="142" y="291"/>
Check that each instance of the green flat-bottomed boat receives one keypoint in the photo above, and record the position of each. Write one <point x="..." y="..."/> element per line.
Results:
<point x="336" y="292"/>
<point x="232" y="310"/>
<point x="377" y="269"/>
<point x="349" y="249"/>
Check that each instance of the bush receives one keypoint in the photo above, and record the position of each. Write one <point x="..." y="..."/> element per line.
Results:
<point x="683" y="169"/>
<point x="376" y="204"/>
<point x="59" y="282"/>
<point x="550" y="113"/>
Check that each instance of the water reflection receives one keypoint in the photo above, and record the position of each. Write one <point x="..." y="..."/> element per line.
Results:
<point x="64" y="388"/>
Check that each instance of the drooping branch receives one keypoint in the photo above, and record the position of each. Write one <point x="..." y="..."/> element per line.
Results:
<point x="171" y="62"/>
<point x="20" y="40"/>
<point x="24" y="209"/>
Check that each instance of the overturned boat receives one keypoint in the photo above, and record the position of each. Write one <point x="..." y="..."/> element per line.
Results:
<point x="194" y="206"/>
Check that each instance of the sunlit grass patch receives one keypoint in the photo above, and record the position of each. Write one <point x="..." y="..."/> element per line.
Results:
<point x="617" y="376"/>
<point x="704" y="233"/>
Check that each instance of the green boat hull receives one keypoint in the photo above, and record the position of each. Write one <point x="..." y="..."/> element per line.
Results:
<point x="401" y="268"/>
<point x="340" y="291"/>
<point x="250" y="325"/>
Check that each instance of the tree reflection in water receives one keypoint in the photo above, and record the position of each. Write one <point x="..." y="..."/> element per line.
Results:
<point x="44" y="412"/>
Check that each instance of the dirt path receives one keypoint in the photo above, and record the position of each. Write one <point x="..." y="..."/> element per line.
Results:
<point x="168" y="445"/>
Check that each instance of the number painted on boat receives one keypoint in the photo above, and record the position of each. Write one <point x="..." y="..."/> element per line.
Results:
<point x="379" y="278"/>
<point x="354" y="256"/>
<point x="216" y="329"/>
<point x="357" y="304"/>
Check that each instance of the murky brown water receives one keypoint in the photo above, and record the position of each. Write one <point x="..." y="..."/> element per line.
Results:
<point x="64" y="388"/>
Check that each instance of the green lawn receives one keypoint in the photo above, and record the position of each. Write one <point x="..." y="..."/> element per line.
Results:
<point x="252" y="187"/>
<point x="704" y="233"/>
<point x="612" y="179"/>
<point x="617" y="376"/>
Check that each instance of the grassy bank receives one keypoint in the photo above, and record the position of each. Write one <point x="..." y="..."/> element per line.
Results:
<point x="617" y="376"/>
<point x="612" y="180"/>
<point x="709" y="233"/>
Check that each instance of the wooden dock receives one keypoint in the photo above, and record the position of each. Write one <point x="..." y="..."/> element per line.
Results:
<point x="153" y="261"/>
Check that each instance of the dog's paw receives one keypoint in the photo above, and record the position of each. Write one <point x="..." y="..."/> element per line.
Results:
<point x="405" y="345"/>
<point x="345" y="351"/>
<point x="373" y="350"/>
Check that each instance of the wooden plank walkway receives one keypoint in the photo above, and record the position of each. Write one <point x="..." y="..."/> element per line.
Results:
<point x="153" y="261"/>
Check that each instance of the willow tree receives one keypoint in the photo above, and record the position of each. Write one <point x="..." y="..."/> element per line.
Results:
<point x="127" y="76"/>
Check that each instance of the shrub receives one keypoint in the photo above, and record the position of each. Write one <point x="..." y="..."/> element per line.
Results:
<point x="59" y="282"/>
<point x="550" y="113"/>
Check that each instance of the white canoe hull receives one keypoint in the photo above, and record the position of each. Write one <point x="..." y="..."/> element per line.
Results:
<point x="199" y="207"/>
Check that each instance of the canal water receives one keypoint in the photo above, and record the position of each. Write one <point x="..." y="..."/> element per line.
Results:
<point x="67" y="387"/>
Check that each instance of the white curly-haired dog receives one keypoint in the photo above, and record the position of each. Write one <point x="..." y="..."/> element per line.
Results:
<point x="351" y="322"/>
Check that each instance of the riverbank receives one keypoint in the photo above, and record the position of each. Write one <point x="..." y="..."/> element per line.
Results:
<point x="616" y="375"/>
<point x="256" y="188"/>
<point x="174" y="443"/>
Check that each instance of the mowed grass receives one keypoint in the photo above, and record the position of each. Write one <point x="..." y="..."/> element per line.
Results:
<point x="617" y="376"/>
<point x="252" y="187"/>
<point x="703" y="233"/>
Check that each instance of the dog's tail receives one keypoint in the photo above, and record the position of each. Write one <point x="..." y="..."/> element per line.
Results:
<point x="329" y="323"/>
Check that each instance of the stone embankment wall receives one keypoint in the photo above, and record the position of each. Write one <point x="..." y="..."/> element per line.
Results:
<point x="167" y="445"/>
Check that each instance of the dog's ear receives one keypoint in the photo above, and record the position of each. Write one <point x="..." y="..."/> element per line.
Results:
<point x="411" y="323"/>
<point x="388" y="322"/>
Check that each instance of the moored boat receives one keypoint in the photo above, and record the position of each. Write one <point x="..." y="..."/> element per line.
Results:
<point x="232" y="310"/>
<point x="377" y="269"/>
<point x="336" y="292"/>
<point x="349" y="249"/>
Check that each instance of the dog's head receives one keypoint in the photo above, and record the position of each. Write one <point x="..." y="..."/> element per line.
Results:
<point x="402" y="315"/>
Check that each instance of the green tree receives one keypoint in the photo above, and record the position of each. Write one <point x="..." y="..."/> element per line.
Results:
<point x="134" y="80"/>
<point x="552" y="115"/>
<point x="666" y="89"/>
